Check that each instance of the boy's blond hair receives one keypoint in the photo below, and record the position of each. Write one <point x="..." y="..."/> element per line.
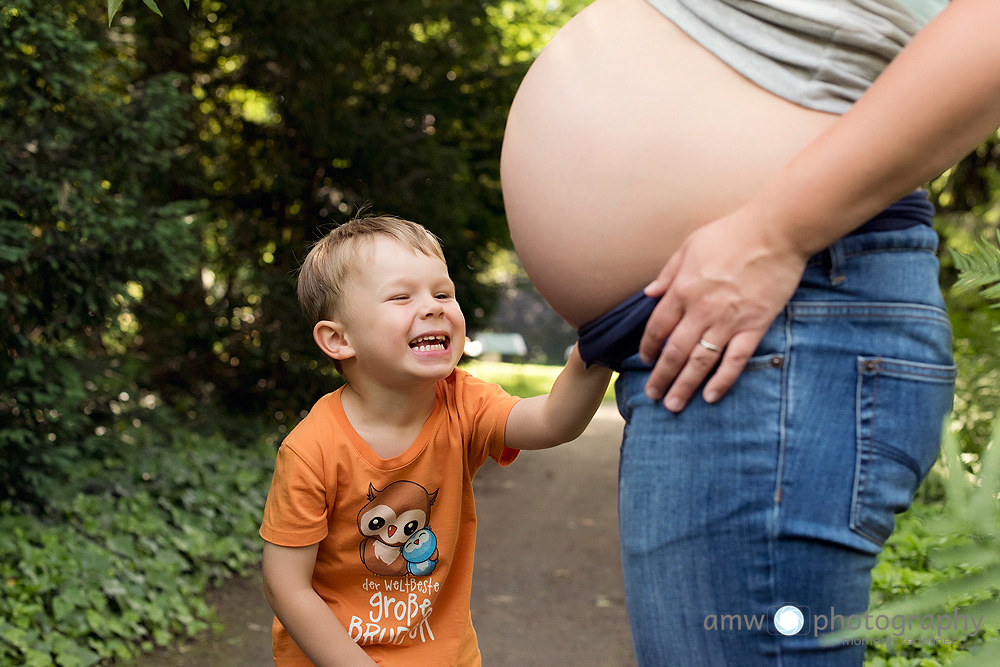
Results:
<point x="332" y="259"/>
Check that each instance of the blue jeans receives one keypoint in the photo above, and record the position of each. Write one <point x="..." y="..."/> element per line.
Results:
<point x="784" y="491"/>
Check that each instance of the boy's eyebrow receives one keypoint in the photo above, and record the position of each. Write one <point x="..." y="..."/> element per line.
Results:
<point x="407" y="281"/>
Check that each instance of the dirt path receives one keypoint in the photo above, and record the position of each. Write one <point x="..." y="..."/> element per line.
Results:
<point x="547" y="589"/>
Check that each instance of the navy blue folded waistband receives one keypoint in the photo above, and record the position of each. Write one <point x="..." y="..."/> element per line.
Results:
<point x="911" y="210"/>
<point x="615" y="336"/>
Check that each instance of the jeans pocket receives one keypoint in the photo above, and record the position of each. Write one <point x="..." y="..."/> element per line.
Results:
<point x="901" y="407"/>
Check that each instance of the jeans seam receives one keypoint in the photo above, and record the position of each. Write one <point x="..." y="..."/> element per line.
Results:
<point x="819" y="259"/>
<point x="864" y="453"/>
<point x="780" y="465"/>
<point x="874" y="251"/>
<point x="873" y="309"/>
<point x="920" y="371"/>
<point x="890" y="452"/>
<point x="881" y="316"/>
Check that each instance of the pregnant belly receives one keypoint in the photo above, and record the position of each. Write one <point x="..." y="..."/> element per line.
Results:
<point x="625" y="136"/>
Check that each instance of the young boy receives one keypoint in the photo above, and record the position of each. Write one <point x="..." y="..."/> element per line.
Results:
<point x="370" y="522"/>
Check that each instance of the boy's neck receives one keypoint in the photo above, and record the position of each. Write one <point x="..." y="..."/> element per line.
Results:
<point x="388" y="420"/>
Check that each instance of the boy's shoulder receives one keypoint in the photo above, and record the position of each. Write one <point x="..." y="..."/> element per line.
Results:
<point x="320" y="423"/>
<point x="464" y="391"/>
<point x="463" y="380"/>
<point x="325" y="408"/>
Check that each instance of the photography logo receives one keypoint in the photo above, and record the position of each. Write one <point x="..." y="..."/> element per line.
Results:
<point x="788" y="619"/>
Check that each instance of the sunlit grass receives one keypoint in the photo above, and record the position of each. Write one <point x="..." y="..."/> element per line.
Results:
<point x="521" y="379"/>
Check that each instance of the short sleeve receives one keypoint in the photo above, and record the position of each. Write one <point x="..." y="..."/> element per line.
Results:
<point x="295" y="514"/>
<point x="487" y="407"/>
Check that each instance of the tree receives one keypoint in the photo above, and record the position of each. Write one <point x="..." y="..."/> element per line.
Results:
<point x="163" y="178"/>
<point x="84" y="231"/>
<point x="307" y="111"/>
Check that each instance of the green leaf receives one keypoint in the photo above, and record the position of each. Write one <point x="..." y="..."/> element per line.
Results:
<point x="982" y="506"/>
<point x="113" y="8"/>
<point x="980" y="267"/>
<point x="152" y="5"/>
<point x="987" y="656"/>
<point x="70" y="654"/>
<point x="957" y="489"/>
<point x="37" y="659"/>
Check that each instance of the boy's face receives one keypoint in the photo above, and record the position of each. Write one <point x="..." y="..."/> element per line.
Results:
<point x="401" y="318"/>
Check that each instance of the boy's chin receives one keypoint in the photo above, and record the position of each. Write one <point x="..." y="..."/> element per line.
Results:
<point x="437" y="369"/>
<point x="449" y="356"/>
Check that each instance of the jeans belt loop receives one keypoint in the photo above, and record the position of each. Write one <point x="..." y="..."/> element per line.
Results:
<point x="837" y="260"/>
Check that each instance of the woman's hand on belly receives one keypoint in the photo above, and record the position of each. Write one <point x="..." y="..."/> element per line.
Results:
<point x="722" y="289"/>
<point x="730" y="278"/>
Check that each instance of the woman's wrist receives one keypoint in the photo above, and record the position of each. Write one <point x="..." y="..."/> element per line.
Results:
<point x="800" y="216"/>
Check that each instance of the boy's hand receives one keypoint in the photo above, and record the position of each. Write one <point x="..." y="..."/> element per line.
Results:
<point x="307" y="618"/>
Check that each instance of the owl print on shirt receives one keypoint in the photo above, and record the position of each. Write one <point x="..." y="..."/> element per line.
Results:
<point x="397" y="539"/>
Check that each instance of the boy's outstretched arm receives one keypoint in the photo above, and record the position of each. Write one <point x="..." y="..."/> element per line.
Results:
<point x="310" y="622"/>
<point x="563" y="414"/>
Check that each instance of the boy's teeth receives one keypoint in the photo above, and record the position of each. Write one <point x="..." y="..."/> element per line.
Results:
<point x="426" y="343"/>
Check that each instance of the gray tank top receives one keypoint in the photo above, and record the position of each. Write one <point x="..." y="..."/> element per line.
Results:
<point x="821" y="54"/>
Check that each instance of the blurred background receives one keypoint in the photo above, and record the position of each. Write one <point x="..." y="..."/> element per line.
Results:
<point x="162" y="178"/>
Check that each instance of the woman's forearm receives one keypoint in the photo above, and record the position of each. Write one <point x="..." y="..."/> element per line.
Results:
<point x="934" y="104"/>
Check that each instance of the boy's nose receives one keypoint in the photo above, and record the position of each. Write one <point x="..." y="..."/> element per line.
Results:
<point x="433" y="308"/>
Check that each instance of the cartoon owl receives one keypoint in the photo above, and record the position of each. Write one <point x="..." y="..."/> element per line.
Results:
<point x="420" y="552"/>
<point x="390" y="518"/>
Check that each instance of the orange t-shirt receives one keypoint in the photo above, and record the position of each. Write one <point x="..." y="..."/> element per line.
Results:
<point x="396" y="536"/>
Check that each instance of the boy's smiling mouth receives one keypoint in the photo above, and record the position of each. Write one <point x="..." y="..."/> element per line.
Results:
<point x="430" y="343"/>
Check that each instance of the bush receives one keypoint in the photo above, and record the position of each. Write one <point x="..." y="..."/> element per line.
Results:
<point x="106" y="574"/>
<point x="83" y="236"/>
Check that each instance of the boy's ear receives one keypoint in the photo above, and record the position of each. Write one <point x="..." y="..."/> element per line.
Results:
<point x="331" y="338"/>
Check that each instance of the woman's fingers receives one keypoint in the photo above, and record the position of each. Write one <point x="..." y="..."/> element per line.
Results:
<point x="720" y="292"/>
<point x="659" y="327"/>
<point x="724" y="365"/>
<point x="687" y="359"/>
<point x="666" y="315"/>
<point x="662" y="282"/>
<point x="738" y="352"/>
<point x="700" y="363"/>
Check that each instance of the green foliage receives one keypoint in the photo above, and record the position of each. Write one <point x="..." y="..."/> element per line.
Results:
<point x="968" y="194"/>
<point x="977" y="396"/>
<point x="522" y="380"/>
<point x="968" y="201"/>
<point x="306" y="111"/>
<point x="946" y="560"/>
<point x="108" y="573"/>
<point x="84" y="232"/>
<point x="114" y="6"/>
<point x="980" y="268"/>
<point x="281" y="119"/>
